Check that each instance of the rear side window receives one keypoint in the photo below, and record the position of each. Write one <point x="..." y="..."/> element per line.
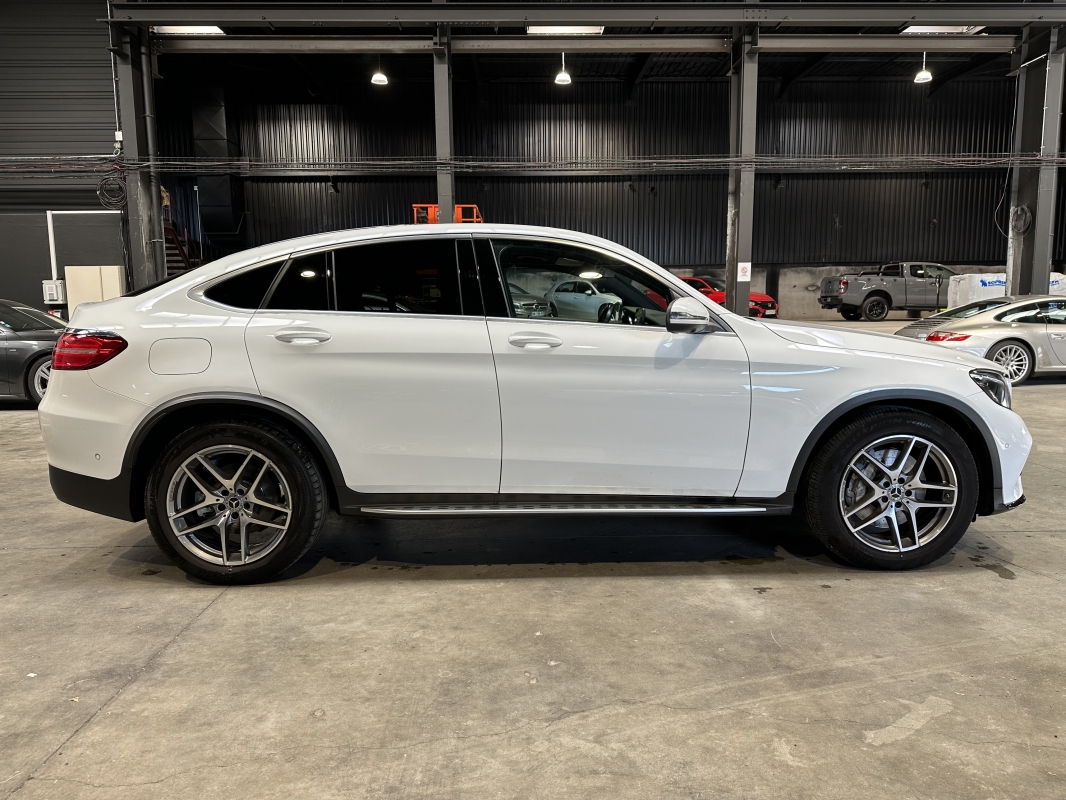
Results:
<point x="401" y="277"/>
<point x="305" y="285"/>
<point x="246" y="289"/>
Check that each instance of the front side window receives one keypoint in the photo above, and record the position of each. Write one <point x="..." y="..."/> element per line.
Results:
<point x="1054" y="312"/>
<point x="416" y="276"/>
<point x="917" y="271"/>
<point x="581" y="284"/>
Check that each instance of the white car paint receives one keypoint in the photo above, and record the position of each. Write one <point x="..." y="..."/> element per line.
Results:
<point x="644" y="396"/>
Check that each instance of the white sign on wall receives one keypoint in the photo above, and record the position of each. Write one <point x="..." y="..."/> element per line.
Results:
<point x="744" y="272"/>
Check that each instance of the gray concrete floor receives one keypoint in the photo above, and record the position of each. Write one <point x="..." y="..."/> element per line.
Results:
<point x="526" y="659"/>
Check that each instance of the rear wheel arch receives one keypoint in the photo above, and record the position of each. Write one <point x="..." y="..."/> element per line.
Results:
<point x="973" y="431"/>
<point x="155" y="434"/>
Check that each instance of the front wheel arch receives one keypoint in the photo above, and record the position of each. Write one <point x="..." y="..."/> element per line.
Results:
<point x="973" y="431"/>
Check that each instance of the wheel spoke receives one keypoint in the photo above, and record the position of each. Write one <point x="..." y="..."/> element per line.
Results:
<point x="213" y="471"/>
<point x="895" y="527"/>
<point x="878" y="463"/>
<point x="183" y="512"/>
<point x="243" y="518"/>
<point x="940" y="487"/>
<point x="903" y="461"/>
<point x="268" y="524"/>
<point x="923" y="504"/>
<point x="240" y="469"/>
<point x="206" y="492"/>
<point x="912" y="513"/>
<point x="866" y="478"/>
<point x="222" y="525"/>
<point x="850" y="512"/>
<point x="257" y="502"/>
<point x="214" y="521"/>
<point x="868" y="522"/>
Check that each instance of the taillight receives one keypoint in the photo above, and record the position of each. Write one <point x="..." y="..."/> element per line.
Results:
<point x="947" y="336"/>
<point x="86" y="350"/>
<point x="842" y="286"/>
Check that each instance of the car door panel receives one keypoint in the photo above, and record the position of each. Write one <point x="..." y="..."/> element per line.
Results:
<point x="619" y="409"/>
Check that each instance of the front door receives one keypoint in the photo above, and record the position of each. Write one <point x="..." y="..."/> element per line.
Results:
<point x="383" y="347"/>
<point x="1054" y="313"/>
<point x="921" y="288"/>
<point x="619" y="407"/>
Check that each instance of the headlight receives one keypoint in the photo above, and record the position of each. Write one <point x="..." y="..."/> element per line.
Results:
<point x="994" y="384"/>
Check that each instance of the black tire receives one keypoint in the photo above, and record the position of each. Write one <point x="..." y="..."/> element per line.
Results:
<point x="875" y="308"/>
<point x="1016" y="370"/>
<point x="305" y="495"/>
<point x="552" y="308"/>
<point x="31" y="379"/>
<point x="851" y="314"/>
<point x="824" y="496"/>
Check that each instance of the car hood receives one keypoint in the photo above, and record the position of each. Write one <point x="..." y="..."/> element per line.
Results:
<point x="805" y="333"/>
<point x="526" y="298"/>
<point x="759" y="297"/>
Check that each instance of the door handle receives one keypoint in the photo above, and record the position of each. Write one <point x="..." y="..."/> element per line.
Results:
<point x="1058" y="336"/>
<point x="302" y="336"/>
<point x="533" y="341"/>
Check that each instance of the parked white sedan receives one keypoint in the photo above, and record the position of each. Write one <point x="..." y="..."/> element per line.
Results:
<point x="384" y="372"/>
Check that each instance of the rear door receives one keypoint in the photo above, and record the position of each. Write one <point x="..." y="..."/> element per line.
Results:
<point x="384" y="347"/>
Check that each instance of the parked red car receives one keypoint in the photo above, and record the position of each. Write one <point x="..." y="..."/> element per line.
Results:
<point x="759" y="304"/>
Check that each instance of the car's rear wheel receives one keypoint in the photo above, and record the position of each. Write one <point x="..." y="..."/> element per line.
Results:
<point x="235" y="502"/>
<point x="875" y="308"/>
<point x="1014" y="357"/>
<point x="894" y="489"/>
<point x="851" y="314"/>
<point x="37" y="377"/>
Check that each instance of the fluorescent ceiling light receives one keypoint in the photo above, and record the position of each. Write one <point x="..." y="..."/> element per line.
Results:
<point x="564" y="30"/>
<point x="959" y="29"/>
<point x="185" y="30"/>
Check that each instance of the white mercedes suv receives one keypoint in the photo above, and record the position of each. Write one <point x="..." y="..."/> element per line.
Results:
<point x="384" y="372"/>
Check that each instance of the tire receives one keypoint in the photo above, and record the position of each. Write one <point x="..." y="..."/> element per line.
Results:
<point x="552" y="308"/>
<point x="37" y="377"/>
<point x="1015" y="357"/>
<point x="875" y="308"/>
<point x="851" y="314"/>
<point x="279" y="484"/>
<point x="867" y="536"/>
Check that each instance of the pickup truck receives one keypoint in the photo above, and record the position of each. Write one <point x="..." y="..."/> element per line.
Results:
<point x="871" y="294"/>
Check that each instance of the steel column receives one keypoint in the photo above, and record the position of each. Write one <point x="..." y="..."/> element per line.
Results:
<point x="155" y="204"/>
<point x="134" y="147"/>
<point x="740" y="206"/>
<point x="1033" y="189"/>
<point x="442" y="113"/>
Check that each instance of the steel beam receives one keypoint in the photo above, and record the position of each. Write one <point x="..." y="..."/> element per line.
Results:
<point x="1034" y="188"/>
<point x="740" y="204"/>
<point x="135" y="147"/>
<point x="442" y="115"/>
<point x="595" y="44"/>
<point x="634" y="14"/>
<point x="155" y="201"/>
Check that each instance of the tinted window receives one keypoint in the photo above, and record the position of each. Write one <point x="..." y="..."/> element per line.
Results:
<point x="620" y="292"/>
<point x="917" y="271"/>
<point x="890" y="270"/>
<point x="304" y="286"/>
<point x="970" y="309"/>
<point x="1029" y="314"/>
<point x="406" y="277"/>
<point x="934" y="271"/>
<point x="246" y="289"/>
<point x="27" y="319"/>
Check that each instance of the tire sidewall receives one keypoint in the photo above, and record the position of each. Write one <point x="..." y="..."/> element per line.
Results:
<point x="292" y="461"/>
<point x="823" y="501"/>
<point x="870" y="302"/>
<point x="994" y="351"/>
<point x="31" y="390"/>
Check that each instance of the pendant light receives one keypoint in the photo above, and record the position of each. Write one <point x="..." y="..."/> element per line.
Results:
<point x="379" y="78"/>
<point x="924" y="75"/>
<point x="563" y="78"/>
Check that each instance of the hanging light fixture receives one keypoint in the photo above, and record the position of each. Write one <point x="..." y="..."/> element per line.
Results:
<point x="924" y="75"/>
<point x="563" y="78"/>
<point x="379" y="78"/>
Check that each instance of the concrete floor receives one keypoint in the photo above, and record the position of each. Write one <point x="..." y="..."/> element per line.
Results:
<point x="525" y="659"/>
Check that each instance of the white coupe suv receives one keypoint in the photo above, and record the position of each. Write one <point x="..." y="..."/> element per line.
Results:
<point x="384" y="372"/>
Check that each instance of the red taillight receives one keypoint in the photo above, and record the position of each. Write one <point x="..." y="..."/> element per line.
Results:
<point x="842" y="286"/>
<point x="947" y="336"/>
<point x="86" y="350"/>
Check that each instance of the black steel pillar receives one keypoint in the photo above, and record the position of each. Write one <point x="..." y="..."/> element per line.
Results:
<point x="135" y="148"/>
<point x="442" y="112"/>
<point x="740" y="206"/>
<point x="1030" y="247"/>
<point x="159" y="261"/>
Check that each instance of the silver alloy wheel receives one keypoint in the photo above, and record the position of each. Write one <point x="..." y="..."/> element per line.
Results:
<point x="899" y="493"/>
<point x="1015" y="359"/>
<point x="41" y="376"/>
<point x="229" y="505"/>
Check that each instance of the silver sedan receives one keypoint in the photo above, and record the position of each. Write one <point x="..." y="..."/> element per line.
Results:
<point x="1024" y="335"/>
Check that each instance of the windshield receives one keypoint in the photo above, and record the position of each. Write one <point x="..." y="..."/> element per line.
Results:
<point x="970" y="309"/>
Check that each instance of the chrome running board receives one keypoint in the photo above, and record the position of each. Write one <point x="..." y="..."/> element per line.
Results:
<point x="510" y="509"/>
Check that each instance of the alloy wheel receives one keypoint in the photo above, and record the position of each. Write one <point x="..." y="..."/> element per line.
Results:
<point x="1015" y="359"/>
<point x="229" y="505"/>
<point x="41" y="376"/>
<point x="898" y="493"/>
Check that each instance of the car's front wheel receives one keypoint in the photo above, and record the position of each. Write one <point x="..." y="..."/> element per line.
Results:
<point x="235" y="502"/>
<point x="894" y="489"/>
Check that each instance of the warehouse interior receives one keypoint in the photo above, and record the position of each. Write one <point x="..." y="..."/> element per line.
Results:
<point x="624" y="658"/>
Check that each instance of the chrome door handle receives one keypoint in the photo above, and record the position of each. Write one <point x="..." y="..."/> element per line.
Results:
<point x="533" y="341"/>
<point x="1058" y="336"/>
<point x="302" y="336"/>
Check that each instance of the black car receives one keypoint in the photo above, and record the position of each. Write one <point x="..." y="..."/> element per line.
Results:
<point x="28" y="337"/>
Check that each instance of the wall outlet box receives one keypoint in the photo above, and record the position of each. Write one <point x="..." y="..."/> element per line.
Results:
<point x="55" y="292"/>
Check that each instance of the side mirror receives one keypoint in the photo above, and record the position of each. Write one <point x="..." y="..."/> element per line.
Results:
<point x="688" y="315"/>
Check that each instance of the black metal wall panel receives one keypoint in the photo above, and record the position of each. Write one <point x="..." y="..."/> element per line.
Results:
<point x="55" y="78"/>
